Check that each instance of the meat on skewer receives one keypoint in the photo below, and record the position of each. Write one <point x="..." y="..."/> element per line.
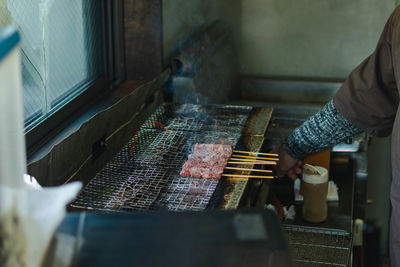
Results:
<point x="207" y="161"/>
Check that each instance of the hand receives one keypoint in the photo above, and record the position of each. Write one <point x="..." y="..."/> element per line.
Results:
<point x="287" y="165"/>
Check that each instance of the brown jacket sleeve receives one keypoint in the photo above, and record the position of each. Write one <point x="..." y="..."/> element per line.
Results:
<point x="369" y="97"/>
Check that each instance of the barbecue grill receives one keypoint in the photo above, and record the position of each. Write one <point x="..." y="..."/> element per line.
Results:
<point x="144" y="175"/>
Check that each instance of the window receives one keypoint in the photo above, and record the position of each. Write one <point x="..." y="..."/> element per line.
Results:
<point x="63" y="51"/>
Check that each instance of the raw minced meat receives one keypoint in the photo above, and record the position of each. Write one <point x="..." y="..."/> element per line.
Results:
<point x="207" y="161"/>
<point x="224" y="151"/>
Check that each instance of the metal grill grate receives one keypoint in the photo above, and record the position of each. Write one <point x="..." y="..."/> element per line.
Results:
<point x="170" y="148"/>
<point x="145" y="173"/>
<point x="143" y="189"/>
<point x="189" y="117"/>
<point x="167" y="149"/>
<point x="319" y="247"/>
<point x="187" y="194"/>
<point x="122" y="188"/>
<point x="203" y="111"/>
<point x="140" y="190"/>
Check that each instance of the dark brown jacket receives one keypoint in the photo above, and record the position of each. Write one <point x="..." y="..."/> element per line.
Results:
<point x="369" y="98"/>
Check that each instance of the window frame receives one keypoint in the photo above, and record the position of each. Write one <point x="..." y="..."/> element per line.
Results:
<point x="114" y="66"/>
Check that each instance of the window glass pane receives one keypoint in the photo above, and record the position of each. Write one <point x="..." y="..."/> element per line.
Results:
<point x="62" y="49"/>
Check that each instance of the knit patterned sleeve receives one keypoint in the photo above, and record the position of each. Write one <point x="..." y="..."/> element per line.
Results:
<point x="321" y="131"/>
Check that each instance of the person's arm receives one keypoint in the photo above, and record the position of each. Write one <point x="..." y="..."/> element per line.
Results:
<point x="367" y="100"/>
<point x="323" y="130"/>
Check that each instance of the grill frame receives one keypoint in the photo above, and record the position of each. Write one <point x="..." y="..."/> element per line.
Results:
<point x="138" y="154"/>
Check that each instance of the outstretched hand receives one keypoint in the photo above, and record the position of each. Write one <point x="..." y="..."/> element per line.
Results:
<point x="287" y="165"/>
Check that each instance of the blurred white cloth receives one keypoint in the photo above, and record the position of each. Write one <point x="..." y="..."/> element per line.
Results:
<point x="31" y="181"/>
<point x="331" y="196"/>
<point x="289" y="212"/>
<point x="39" y="212"/>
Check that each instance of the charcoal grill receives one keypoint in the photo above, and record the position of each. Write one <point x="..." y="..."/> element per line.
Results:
<point x="144" y="175"/>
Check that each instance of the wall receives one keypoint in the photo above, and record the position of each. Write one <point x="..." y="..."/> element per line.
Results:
<point x="309" y="38"/>
<point x="296" y="38"/>
<point x="182" y="17"/>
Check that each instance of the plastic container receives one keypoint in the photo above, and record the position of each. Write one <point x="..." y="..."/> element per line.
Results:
<point x="12" y="140"/>
<point x="314" y="188"/>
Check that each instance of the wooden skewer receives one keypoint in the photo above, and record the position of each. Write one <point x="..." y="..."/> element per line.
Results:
<point x="252" y="157"/>
<point x="257" y="153"/>
<point x="252" y="162"/>
<point x="247" y="176"/>
<point x="238" y="179"/>
<point x="245" y="169"/>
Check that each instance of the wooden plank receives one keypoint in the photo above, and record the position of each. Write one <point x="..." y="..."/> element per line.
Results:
<point x="143" y="39"/>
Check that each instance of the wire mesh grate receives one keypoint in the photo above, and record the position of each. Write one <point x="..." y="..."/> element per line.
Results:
<point x="190" y="117"/>
<point x="118" y="188"/>
<point x="145" y="173"/>
<point x="187" y="194"/>
<point x="210" y="110"/>
<point x="153" y="187"/>
<point x="140" y="190"/>
<point x="171" y="148"/>
<point x="318" y="247"/>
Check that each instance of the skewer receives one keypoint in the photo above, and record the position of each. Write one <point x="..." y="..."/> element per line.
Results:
<point x="237" y="179"/>
<point x="252" y="162"/>
<point x="252" y="157"/>
<point x="247" y="176"/>
<point x="245" y="169"/>
<point x="257" y="153"/>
